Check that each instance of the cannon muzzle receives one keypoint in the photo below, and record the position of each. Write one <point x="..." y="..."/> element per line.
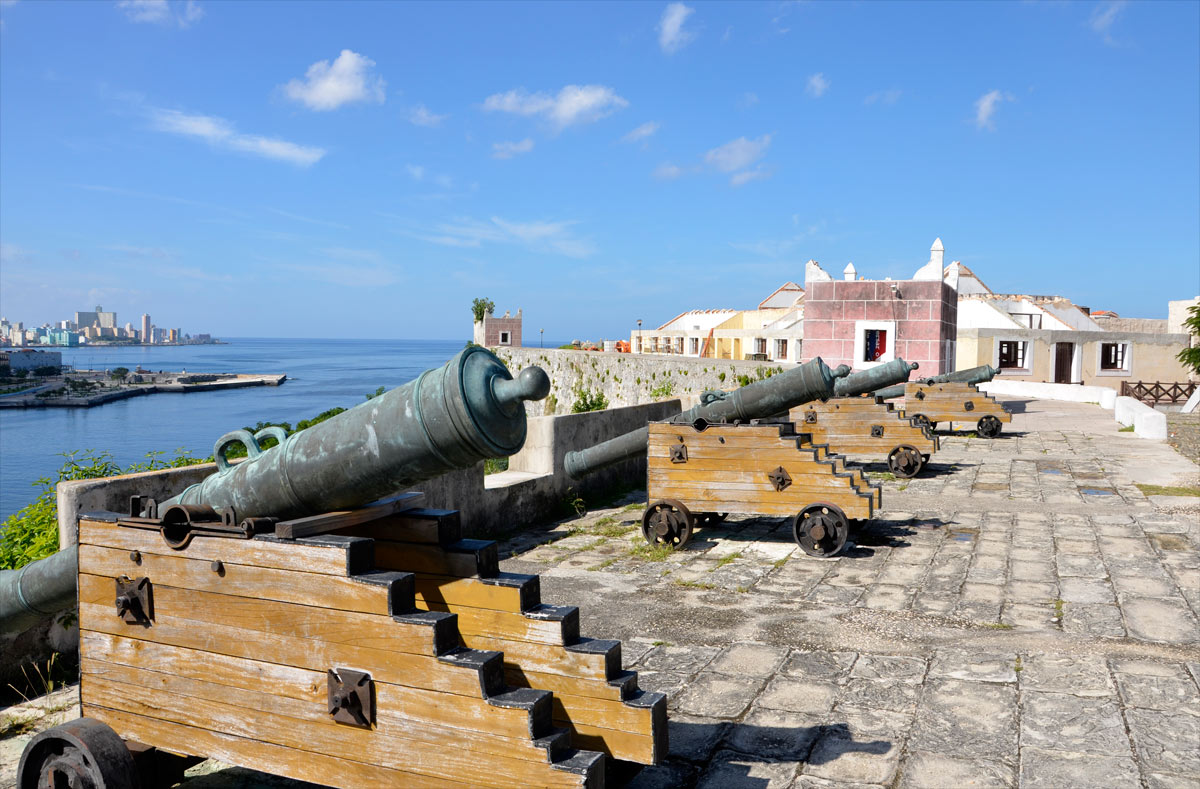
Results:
<point x="810" y="381"/>
<point x="468" y="410"/>
<point x="893" y="372"/>
<point x="974" y="375"/>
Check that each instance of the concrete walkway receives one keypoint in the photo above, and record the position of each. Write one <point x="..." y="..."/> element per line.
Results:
<point x="1019" y="616"/>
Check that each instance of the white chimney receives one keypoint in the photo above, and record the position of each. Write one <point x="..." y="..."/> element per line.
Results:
<point x="937" y="252"/>
<point x="849" y="272"/>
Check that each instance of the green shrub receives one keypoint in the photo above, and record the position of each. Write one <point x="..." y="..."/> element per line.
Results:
<point x="665" y="389"/>
<point x="587" y="400"/>
<point x="721" y="377"/>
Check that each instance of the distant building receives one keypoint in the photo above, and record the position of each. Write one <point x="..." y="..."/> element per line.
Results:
<point x="30" y="360"/>
<point x="1052" y="340"/>
<point x="146" y="335"/>
<point x="492" y="331"/>
<point x="771" y="332"/>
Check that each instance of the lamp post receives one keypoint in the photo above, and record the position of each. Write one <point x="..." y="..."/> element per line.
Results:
<point x="541" y="338"/>
<point x="639" y="337"/>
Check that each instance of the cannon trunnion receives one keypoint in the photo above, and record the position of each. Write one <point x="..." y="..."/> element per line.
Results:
<point x="697" y="474"/>
<point x="383" y="650"/>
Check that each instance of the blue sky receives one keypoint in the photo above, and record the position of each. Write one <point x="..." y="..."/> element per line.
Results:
<point x="365" y="170"/>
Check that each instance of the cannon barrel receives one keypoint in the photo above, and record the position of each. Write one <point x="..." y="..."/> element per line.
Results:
<point x="893" y="372"/>
<point x="975" y="375"/>
<point x="810" y="381"/>
<point x="452" y="417"/>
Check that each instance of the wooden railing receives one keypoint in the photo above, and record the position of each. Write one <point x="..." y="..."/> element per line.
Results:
<point x="1158" y="393"/>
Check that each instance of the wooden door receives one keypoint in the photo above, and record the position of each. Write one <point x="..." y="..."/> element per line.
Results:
<point x="1063" y="354"/>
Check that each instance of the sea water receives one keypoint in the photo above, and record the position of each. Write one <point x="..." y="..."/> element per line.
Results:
<point x="321" y="374"/>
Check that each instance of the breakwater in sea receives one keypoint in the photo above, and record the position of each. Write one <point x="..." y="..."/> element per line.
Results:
<point x="35" y="398"/>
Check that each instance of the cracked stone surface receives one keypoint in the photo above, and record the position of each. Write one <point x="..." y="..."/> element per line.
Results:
<point x="995" y="625"/>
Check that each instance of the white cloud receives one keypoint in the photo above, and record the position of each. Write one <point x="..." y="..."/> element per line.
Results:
<point x="416" y="171"/>
<point x="671" y="35"/>
<point x="328" y="86"/>
<point x="746" y="176"/>
<point x="573" y="104"/>
<point x="307" y="219"/>
<point x="152" y="11"/>
<point x="160" y="12"/>
<point x="641" y="132"/>
<point x="985" y="109"/>
<point x="1103" y="16"/>
<point x="887" y="97"/>
<point x="220" y="133"/>
<point x="11" y="254"/>
<point x="667" y="171"/>
<point x="738" y="154"/>
<point x="507" y="150"/>
<point x="748" y="100"/>
<point x="421" y="116"/>
<point x="539" y="236"/>
<point x="817" y="85"/>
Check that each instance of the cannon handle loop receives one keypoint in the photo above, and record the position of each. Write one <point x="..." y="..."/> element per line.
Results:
<point x="243" y="437"/>
<point x="271" y="431"/>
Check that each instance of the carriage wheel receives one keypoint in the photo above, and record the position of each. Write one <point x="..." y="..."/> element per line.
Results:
<point x="920" y="420"/>
<point x="82" y="754"/>
<point x="821" y="529"/>
<point x="905" y="461"/>
<point x="989" y="426"/>
<point x="667" y="522"/>
<point x="711" y="518"/>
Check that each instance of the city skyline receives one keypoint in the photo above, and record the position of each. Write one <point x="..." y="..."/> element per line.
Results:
<point x="372" y="171"/>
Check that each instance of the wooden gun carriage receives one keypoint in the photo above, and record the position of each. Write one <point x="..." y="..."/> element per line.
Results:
<point x="868" y="426"/>
<point x="365" y="648"/>
<point x="697" y="474"/>
<point x="928" y="404"/>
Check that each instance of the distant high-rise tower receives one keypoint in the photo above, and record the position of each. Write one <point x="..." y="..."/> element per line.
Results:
<point x="146" y="334"/>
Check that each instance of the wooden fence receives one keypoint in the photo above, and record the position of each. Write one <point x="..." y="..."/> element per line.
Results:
<point x="1158" y="393"/>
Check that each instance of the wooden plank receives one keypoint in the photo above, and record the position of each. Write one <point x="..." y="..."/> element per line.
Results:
<point x="319" y="559"/>
<point x="416" y="671"/>
<point x="618" y="744"/>
<point x="344" y="742"/>
<point x="856" y="507"/>
<point x="521" y="677"/>
<point x="400" y="712"/>
<point x="344" y="628"/>
<point x="421" y="525"/>
<point x="258" y="755"/>
<point x="712" y="472"/>
<point x="333" y="521"/>
<point x="241" y="580"/>
<point x="530" y="656"/>
<point x="508" y="625"/>
<point x="428" y="559"/>
<point x="466" y="592"/>
<point x="100" y="651"/>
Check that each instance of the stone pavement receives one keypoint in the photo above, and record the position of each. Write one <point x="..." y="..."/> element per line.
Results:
<point x="1021" y="615"/>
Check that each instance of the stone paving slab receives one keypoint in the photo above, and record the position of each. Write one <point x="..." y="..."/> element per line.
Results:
<point x="1018" y="616"/>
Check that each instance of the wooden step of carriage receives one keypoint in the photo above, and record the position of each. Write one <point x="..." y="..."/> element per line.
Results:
<point x="307" y="659"/>
<point x="594" y="698"/>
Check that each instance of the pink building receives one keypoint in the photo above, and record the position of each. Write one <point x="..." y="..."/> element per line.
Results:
<point x="863" y="322"/>
<point x="492" y="332"/>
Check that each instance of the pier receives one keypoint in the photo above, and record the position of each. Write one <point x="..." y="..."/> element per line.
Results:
<point x="86" y="388"/>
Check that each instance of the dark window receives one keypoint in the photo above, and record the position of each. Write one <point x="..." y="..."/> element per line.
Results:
<point x="760" y="345"/>
<point x="504" y="338"/>
<point x="1112" y="356"/>
<point x="874" y="344"/>
<point x="781" y="349"/>
<point x="694" y="345"/>
<point x="1012" y="354"/>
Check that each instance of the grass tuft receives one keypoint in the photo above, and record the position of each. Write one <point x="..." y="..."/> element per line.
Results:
<point x="651" y="553"/>
<point x="1160" y="490"/>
